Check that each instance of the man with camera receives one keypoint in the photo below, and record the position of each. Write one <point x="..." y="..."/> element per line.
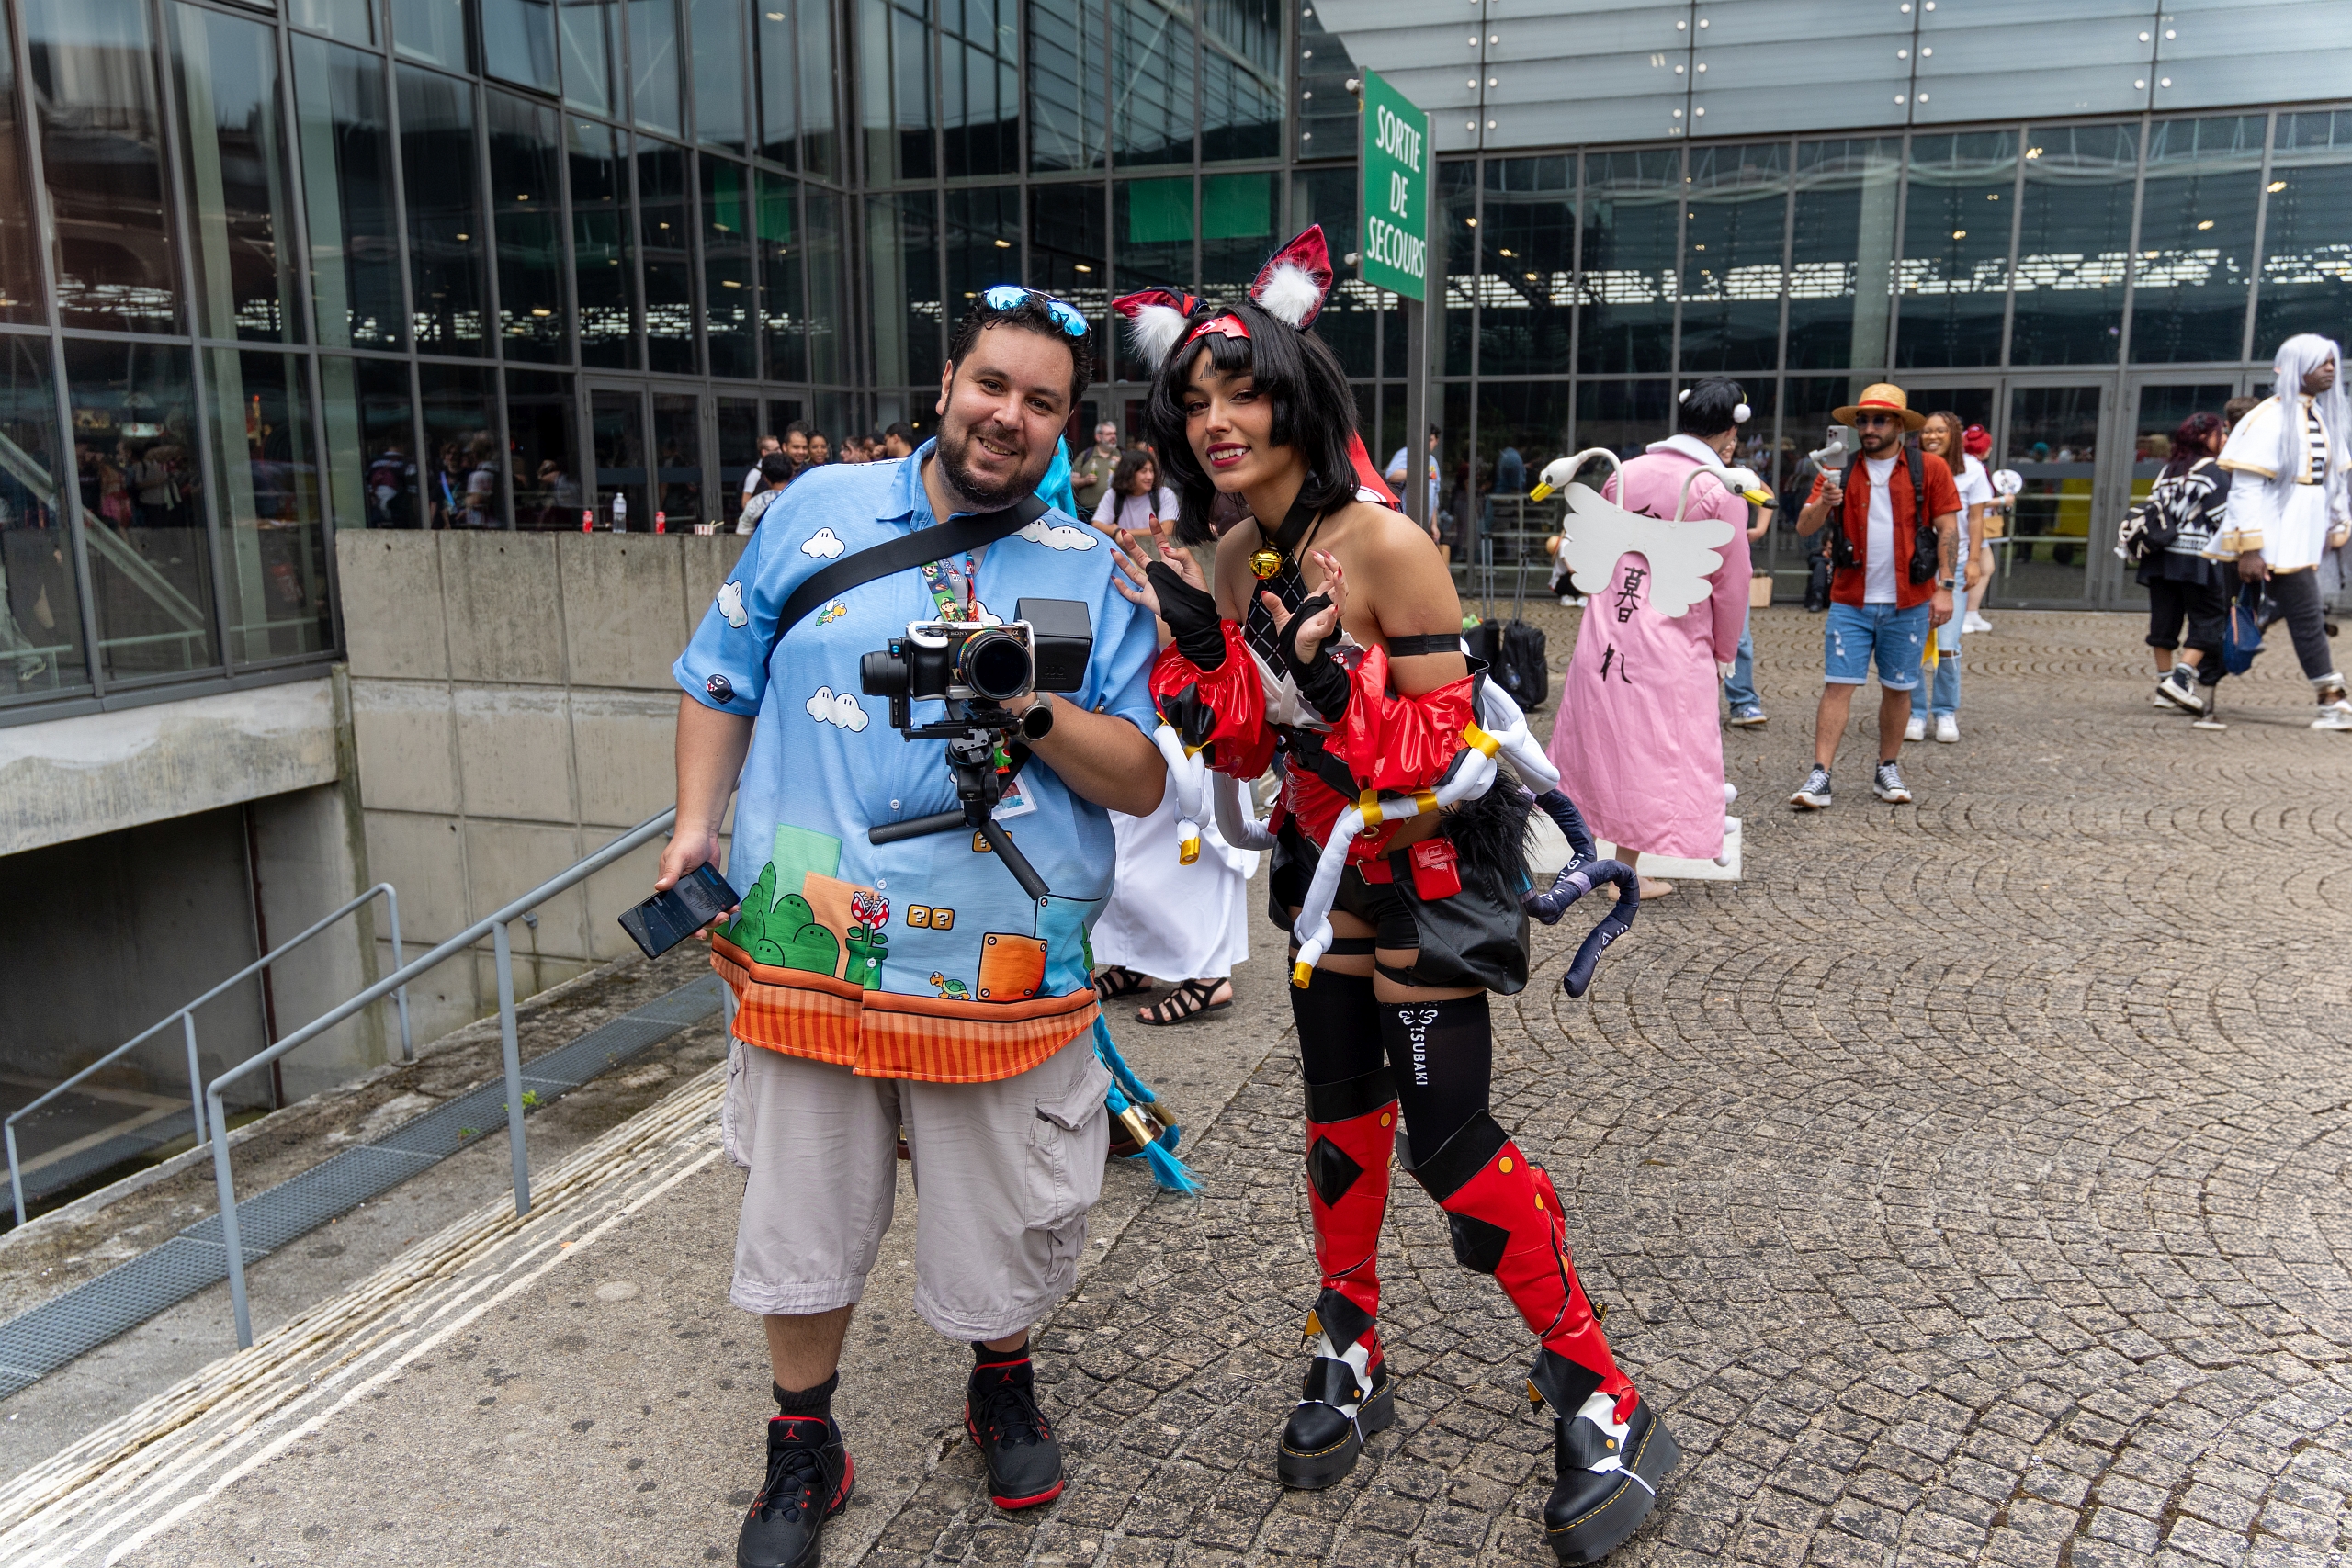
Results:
<point x="1891" y="582"/>
<point x="910" y="949"/>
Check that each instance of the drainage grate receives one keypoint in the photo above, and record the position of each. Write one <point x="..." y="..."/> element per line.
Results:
<point x="37" y="1342"/>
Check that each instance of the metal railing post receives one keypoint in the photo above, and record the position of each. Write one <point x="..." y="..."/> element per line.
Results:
<point x="194" y="1075"/>
<point x="399" y="997"/>
<point x="186" y="1015"/>
<point x="511" y="1052"/>
<point x="227" y="1188"/>
<point x="16" y="1182"/>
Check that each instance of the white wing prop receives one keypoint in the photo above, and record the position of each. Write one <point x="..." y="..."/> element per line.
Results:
<point x="1597" y="533"/>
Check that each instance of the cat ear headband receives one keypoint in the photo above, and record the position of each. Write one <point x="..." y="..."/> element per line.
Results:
<point x="1292" y="288"/>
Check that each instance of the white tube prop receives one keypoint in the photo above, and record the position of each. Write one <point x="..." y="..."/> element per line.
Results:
<point x="1235" y="818"/>
<point x="1185" y="776"/>
<point x="1472" y="779"/>
<point x="1503" y="720"/>
<point x="1741" y="482"/>
<point x="1559" y="471"/>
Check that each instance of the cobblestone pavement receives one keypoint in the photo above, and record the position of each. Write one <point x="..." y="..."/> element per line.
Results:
<point x="1968" y="1184"/>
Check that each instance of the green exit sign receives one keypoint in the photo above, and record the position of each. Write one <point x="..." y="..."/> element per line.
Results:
<point x="1395" y="191"/>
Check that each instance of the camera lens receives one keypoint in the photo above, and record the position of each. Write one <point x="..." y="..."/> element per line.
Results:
<point x="882" y="675"/>
<point x="996" y="665"/>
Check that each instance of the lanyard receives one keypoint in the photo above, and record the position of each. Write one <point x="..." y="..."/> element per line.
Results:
<point x="951" y="587"/>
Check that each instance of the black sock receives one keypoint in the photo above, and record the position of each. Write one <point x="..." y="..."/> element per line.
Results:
<point x="1339" y="1028"/>
<point x="818" y="1401"/>
<point x="1441" y="1056"/>
<point x="982" y="1355"/>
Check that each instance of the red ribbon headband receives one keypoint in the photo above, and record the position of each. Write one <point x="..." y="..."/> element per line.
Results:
<point x="1226" y="325"/>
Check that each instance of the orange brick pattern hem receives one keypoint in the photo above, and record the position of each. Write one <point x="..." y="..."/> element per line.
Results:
<point x="885" y="1034"/>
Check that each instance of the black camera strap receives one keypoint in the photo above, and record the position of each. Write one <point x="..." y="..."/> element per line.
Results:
<point x="956" y="536"/>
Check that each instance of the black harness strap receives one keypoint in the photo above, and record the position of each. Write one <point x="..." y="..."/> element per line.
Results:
<point x="904" y="554"/>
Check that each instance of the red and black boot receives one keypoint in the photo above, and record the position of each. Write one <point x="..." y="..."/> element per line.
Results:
<point x="1609" y="1450"/>
<point x="1351" y="1133"/>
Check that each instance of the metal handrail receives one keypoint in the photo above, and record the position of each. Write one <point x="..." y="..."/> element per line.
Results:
<point x="186" y="1016"/>
<point x="493" y="926"/>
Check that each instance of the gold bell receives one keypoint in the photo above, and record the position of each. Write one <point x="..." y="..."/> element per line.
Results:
<point x="1264" y="561"/>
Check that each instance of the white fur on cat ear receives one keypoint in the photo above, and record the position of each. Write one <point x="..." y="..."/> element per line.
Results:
<point x="1156" y="321"/>
<point x="1296" y="280"/>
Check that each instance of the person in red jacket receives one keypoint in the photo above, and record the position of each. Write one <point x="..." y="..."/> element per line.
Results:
<point x="1891" y="586"/>
<point x="1329" y="631"/>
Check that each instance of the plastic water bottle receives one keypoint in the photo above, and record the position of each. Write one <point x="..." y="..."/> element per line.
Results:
<point x="620" y="512"/>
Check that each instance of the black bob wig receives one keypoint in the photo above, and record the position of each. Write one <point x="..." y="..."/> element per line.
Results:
<point x="1314" y="411"/>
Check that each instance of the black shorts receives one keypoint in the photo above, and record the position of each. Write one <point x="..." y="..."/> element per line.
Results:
<point x="1475" y="937"/>
<point x="2204" y="606"/>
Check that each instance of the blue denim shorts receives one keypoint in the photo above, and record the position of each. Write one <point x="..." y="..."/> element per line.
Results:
<point x="1856" y="632"/>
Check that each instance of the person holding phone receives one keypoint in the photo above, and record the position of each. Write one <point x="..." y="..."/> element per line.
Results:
<point x="912" y="984"/>
<point x="1882" y="604"/>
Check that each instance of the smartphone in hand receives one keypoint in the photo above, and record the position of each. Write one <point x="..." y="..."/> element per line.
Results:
<point x="665" y="921"/>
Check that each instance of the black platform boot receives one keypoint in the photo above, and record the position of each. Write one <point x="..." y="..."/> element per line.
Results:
<point x="809" y="1481"/>
<point x="1608" y="1470"/>
<point x="1345" y="1398"/>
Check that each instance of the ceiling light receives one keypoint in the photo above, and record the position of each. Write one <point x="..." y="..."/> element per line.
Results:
<point x="1082" y="266"/>
<point x="1960" y="233"/>
<point x="2275" y="185"/>
<point x="1004" y="245"/>
<point x="2207" y="224"/>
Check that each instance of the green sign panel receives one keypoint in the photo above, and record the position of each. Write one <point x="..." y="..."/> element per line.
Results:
<point x="1395" y="191"/>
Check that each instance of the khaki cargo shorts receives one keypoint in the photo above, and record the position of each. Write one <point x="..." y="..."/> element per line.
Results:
<point x="1004" y="1175"/>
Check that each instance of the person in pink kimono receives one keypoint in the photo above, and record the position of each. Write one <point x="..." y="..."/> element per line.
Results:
<point x="1636" y="739"/>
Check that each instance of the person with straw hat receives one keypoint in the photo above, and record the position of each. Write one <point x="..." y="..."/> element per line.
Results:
<point x="1891" y="583"/>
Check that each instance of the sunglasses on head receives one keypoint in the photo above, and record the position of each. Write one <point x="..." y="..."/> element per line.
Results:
<point x="1012" y="295"/>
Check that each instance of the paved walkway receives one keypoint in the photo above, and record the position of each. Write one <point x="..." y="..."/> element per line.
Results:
<point x="1967" y="1185"/>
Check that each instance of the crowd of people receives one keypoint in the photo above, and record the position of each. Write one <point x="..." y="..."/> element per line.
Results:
<point x="922" y="953"/>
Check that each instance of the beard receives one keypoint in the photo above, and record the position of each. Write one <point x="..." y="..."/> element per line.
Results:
<point x="956" y="442"/>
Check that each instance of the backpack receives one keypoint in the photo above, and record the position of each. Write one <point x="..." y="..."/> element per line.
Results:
<point x="2151" y="528"/>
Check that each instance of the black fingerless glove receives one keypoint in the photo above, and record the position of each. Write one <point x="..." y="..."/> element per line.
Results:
<point x="1192" y="617"/>
<point x="1322" y="680"/>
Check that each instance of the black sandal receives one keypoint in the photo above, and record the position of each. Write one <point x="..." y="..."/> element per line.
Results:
<point x="1118" y="980"/>
<point x="1188" y="1001"/>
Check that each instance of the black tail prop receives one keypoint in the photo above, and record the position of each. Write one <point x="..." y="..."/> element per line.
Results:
<point x="1579" y="876"/>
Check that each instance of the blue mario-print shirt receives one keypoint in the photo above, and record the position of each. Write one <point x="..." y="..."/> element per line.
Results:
<point x="921" y="958"/>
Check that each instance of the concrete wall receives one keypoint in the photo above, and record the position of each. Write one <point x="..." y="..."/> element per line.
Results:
<point x="75" y="778"/>
<point x="144" y="856"/>
<point x="513" y="710"/>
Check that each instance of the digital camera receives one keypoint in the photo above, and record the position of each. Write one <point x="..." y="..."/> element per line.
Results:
<point x="1044" y="648"/>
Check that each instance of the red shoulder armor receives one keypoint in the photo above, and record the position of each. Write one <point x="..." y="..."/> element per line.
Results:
<point x="1223" y="710"/>
<point x="1399" y="743"/>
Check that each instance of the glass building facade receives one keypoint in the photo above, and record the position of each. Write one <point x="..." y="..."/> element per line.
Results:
<point x="269" y="271"/>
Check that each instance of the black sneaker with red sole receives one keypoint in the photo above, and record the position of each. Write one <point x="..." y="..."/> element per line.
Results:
<point x="1001" y="1413"/>
<point x="808" y="1480"/>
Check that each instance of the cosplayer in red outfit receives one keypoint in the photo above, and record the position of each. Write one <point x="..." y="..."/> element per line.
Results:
<point x="1334" y="638"/>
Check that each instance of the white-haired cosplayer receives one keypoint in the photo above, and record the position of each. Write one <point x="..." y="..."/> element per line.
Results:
<point x="1329" y="635"/>
<point x="2290" y="501"/>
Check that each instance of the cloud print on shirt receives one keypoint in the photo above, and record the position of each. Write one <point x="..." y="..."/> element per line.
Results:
<point x="840" y="708"/>
<point x="731" y="604"/>
<point x="1060" y="537"/>
<point x="824" y="544"/>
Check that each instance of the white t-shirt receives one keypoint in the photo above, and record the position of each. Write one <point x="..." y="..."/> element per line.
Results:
<point x="1975" y="490"/>
<point x="1878" y="544"/>
<point x="754" y="479"/>
<point x="1134" y="512"/>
